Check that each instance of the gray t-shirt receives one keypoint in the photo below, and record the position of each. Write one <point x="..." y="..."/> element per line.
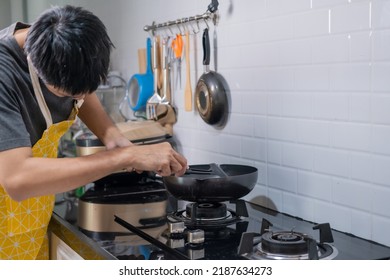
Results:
<point x="21" y="121"/>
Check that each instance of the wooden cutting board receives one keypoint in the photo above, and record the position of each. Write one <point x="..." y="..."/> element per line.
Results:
<point x="136" y="130"/>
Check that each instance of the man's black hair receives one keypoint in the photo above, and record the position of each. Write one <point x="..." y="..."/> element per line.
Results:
<point x="70" y="49"/>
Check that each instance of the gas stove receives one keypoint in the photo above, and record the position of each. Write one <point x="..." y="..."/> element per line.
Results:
<point x="240" y="230"/>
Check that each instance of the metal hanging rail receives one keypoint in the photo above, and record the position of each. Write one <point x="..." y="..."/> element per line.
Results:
<point x="210" y="14"/>
<point x="206" y="16"/>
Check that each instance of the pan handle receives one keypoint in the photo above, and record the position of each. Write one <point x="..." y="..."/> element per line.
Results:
<point x="206" y="47"/>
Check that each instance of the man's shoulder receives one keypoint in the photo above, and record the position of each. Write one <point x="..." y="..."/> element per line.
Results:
<point x="10" y="30"/>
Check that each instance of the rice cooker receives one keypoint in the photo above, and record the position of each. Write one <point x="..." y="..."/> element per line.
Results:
<point x="134" y="197"/>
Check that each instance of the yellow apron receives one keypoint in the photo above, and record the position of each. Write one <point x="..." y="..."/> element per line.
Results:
<point x="23" y="225"/>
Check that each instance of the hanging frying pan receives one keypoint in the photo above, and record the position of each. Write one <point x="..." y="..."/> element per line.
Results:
<point x="210" y="95"/>
<point x="140" y="86"/>
<point x="212" y="182"/>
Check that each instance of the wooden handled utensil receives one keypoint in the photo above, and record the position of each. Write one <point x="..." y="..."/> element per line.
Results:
<point x="187" y="88"/>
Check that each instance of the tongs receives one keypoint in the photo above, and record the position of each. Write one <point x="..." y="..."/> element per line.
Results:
<point x="210" y="169"/>
<point x="213" y="169"/>
<point x="192" y="170"/>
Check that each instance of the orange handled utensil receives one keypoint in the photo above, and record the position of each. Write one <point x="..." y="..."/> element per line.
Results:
<point x="177" y="47"/>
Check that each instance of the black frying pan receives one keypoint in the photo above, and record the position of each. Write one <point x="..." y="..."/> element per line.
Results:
<point x="210" y="94"/>
<point x="212" y="182"/>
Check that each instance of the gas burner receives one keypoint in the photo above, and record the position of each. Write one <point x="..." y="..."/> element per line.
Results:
<point x="291" y="245"/>
<point x="287" y="245"/>
<point x="206" y="211"/>
<point x="209" y="216"/>
<point x="284" y="242"/>
<point x="322" y="251"/>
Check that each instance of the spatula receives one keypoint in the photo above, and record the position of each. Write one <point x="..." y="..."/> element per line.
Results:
<point x="155" y="99"/>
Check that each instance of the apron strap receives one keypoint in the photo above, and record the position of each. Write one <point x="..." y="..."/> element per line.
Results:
<point x="39" y="95"/>
<point x="79" y="103"/>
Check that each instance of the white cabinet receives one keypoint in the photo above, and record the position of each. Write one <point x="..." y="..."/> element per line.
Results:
<point x="59" y="250"/>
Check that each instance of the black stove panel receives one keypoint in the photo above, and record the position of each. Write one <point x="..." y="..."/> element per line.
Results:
<point x="224" y="242"/>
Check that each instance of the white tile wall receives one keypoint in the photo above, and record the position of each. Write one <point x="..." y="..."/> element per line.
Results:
<point x="315" y="186"/>
<point x="310" y="91"/>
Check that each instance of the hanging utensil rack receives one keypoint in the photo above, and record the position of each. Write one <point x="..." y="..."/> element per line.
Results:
<point x="210" y="14"/>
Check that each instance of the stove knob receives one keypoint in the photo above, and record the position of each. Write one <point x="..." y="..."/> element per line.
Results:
<point x="176" y="243"/>
<point x="195" y="254"/>
<point x="176" y="227"/>
<point x="195" y="236"/>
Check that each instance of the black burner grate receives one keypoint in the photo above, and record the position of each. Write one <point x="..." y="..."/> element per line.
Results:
<point x="209" y="216"/>
<point x="284" y="242"/>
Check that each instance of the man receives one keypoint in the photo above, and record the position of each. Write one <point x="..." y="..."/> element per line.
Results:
<point x="49" y="72"/>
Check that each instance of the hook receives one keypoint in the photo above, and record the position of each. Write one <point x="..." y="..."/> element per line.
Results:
<point x="205" y="21"/>
<point x="152" y="30"/>
<point x="197" y="24"/>
<point x="170" y="30"/>
<point x="165" y="27"/>
<point x="193" y="29"/>
<point x="178" y="27"/>
<point x="185" y="23"/>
